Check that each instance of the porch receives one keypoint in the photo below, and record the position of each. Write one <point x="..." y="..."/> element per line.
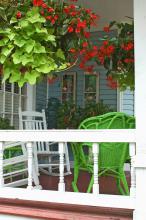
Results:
<point x="57" y="192"/>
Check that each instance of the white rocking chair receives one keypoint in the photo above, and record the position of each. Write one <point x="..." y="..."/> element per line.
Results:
<point x="15" y="165"/>
<point x="47" y="154"/>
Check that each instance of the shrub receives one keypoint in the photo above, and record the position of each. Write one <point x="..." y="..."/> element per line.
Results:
<point x="5" y="124"/>
<point x="70" y="115"/>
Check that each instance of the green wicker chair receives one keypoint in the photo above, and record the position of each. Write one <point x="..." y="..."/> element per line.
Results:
<point x="112" y="156"/>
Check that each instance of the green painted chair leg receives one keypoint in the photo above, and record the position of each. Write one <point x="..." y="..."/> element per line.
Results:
<point x="74" y="186"/>
<point x="121" y="191"/>
<point x="90" y="184"/>
<point x="76" y="175"/>
<point x="125" y="185"/>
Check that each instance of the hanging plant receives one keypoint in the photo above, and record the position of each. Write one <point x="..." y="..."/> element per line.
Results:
<point x="42" y="37"/>
<point x="117" y="56"/>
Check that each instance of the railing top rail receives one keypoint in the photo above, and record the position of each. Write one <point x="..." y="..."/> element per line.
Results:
<point x="106" y="135"/>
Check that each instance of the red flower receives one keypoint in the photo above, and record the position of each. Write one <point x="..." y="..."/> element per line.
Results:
<point x="42" y="12"/>
<point x="56" y="17"/>
<point x="85" y="44"/>
<point x="110" y="49"/>
<point x="44" y="5"/>
<point x="105" y="43"/>
<point x="106" y="29"/>
<point x="111" y="82"/>
<point x="67" y="10"/>
<point x="72" y="50"/>
<point x="50" y="10"/>
<point x="70" y="29"/>
<point x="93" y="16"/>
<point x="81" y="24"/>
<point x="128" y="46"/>
<point x="37" y="2"/>
<point x="95" y="47"/>
<point x="73" y="13"/>
<point x="90" y="68"/>
<point x="18" y="15"/>
<point x="78" y="30"/>
<point x="129" y="60"/>
<point x="88" y="11"/>
<point x="53" y="21"/>
<point x="82" y="65"/>
<point x="49" y="17"/>
<point x="72" y="6"/>
<point x="87" y="34"/>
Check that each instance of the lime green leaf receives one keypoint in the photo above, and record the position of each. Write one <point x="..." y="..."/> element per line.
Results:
<point x="51" y="38"/>
<point x="7" y="72"/>
<point x="40" y="59"/>
<point x="63" y="66"/>
<point x="29" y="45"/>
<point x="34" y="16"/>
<point x="11" y="36"/>
<point x="15" y="77"/>
<point x="45" y="68"/>
<point x="4" y="41"/>
<point x="24" y="23"/>
<point x="21" y="82"/>
<point x="60" y="54"/>
<point x="38" y="48"/>
<point x="2" y="58"/>
<point x="19" y="41"/>
<point x="6" y="51"/>
<point x="13" y="20"/>
<point x="30" y="30"/>
<point x="50" y="31"/>
<point x="41" y="30"/>
<point x="5" y="31"/>
<point x="17" y="57"/>
<point x="32" y="76"/>
<point x="27" y="58"/>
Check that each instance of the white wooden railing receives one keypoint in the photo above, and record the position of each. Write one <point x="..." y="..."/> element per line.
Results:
<point x="60" y="196"/>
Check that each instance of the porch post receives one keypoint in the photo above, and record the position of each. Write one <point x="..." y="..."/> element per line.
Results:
<point x="30" y="104"/>
<point x="140" y="107"/>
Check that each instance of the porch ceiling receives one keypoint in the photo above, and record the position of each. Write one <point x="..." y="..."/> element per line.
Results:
<point x="109" y="10"/>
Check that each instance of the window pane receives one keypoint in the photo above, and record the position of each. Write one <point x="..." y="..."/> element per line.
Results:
<point x="68" y="83"/>
<point x="90" y="97"/>
<point x="68" y="90"/>
<point x="0" y="83"/>
<point x="90" y="83"/>
<point x="8" y="86"/>
<point x="16" y="88"/>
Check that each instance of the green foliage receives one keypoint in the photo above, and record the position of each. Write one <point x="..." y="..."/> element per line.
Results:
<point x="70" y="115"/>
<point x="28" y="50"/>
<point x="5" y="124"/>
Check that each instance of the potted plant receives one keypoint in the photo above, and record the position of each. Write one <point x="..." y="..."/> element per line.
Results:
<point x="40" y="37"/>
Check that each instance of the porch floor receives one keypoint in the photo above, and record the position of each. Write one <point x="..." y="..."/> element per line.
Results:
<point x="107" y="185"/>
<point x="54" y="211"/>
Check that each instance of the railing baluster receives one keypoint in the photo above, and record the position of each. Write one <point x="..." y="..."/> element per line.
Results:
<point x="133" y="174"/>
<point x="30" y="165"/>
<point x="95" y="148"/>
<point x="61" y="185"/>
<point x="1" y="165"/>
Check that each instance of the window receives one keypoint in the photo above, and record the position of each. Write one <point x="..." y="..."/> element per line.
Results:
<point x="69" y="87"/>
<point x="11" y="98"/>
<point x="91" y="88"/>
